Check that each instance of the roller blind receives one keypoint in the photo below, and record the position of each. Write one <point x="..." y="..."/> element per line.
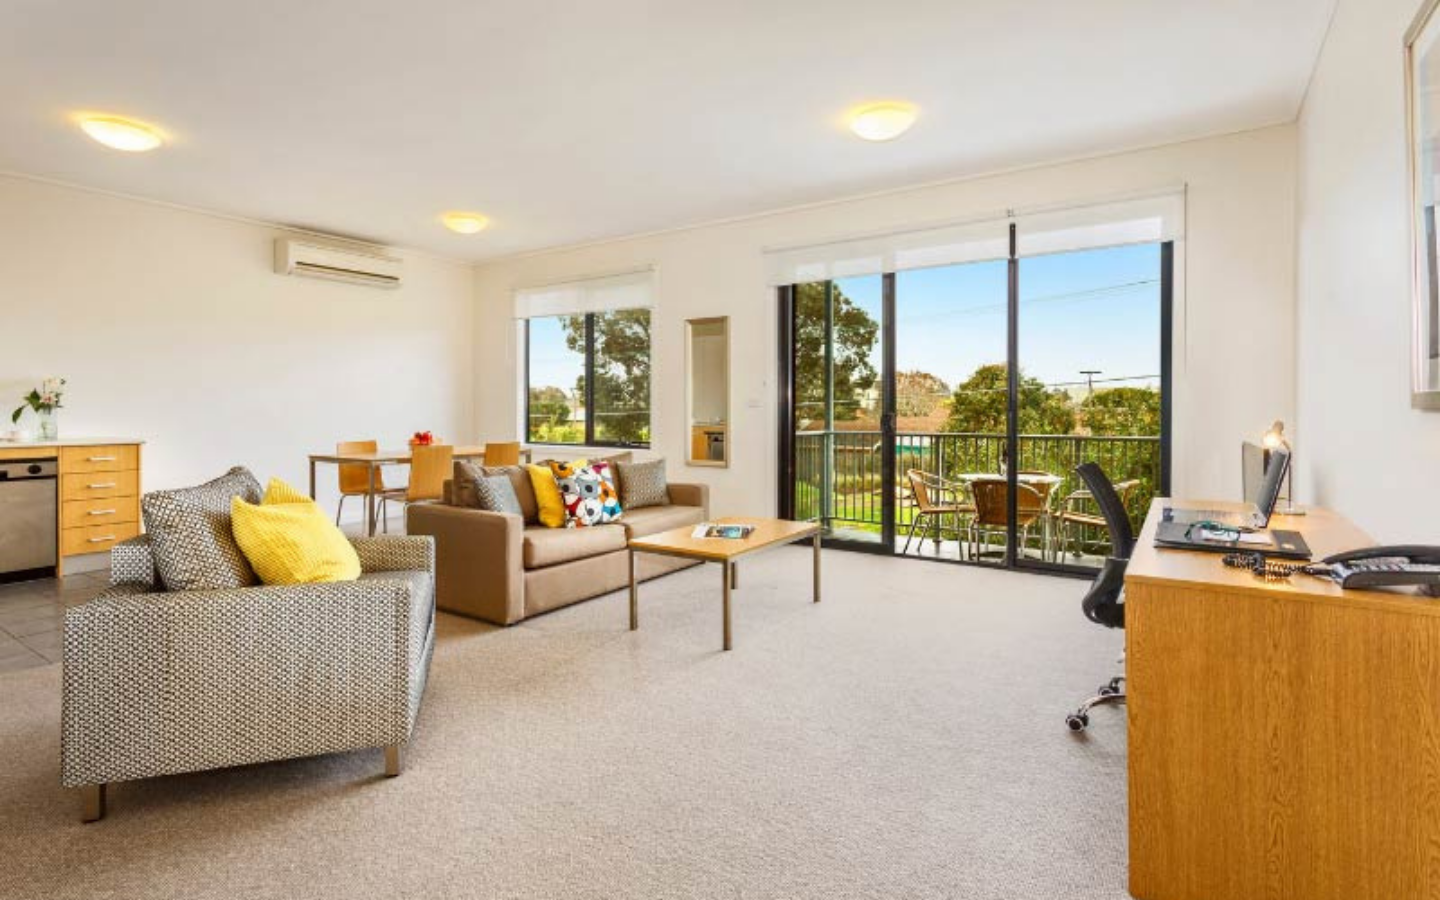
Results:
<point x="1149" y="219"/>
<point x="1152" y="217"/>
<point x="894" y="252"/>
<point x="631" y="290"/>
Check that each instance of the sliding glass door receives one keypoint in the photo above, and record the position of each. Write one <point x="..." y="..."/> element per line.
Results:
<point x="1092" y="348"/>
<point x="940" y="412"/>
<point x="950" y="346"/>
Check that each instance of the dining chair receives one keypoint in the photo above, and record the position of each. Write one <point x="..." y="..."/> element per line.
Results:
<point x="429" y="467"/>
<point x="992" y="511"/>
<point x="935" y="497"/>
<point x="355" y="477"/>
<point x="503" y="454"/>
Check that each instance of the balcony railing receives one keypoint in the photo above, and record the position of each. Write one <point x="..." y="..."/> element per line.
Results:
<point x="850" y="462"/>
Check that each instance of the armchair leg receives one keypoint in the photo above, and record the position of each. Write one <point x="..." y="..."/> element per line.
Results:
<point x="93" y="802"/>
<point x="392" y="760"/>
<point x="913" y="522"/>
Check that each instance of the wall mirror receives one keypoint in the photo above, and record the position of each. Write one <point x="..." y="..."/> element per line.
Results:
<point x="707" y="379"/>
<point x="1422" y="64"/>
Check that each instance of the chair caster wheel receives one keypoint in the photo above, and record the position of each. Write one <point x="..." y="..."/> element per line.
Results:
<point x="1106" y="690"/>
<point x="1077" y="721"/>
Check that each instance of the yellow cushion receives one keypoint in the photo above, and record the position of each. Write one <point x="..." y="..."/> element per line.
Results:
<point x="547" y="493"/>
<point x="288" y="539"/>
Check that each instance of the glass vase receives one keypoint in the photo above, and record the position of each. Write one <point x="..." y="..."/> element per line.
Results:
<point x="49" y="426"/>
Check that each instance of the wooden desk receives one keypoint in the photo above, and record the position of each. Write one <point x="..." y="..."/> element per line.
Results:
<point x="374" y="461"/>
<point x="1284" y="737"/>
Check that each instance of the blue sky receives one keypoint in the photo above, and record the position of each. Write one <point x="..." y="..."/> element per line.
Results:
<point x="550" y="362"/>
<point x="1098" y="309"/>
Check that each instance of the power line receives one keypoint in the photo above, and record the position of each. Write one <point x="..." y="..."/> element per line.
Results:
<point x="1090" y="293"/>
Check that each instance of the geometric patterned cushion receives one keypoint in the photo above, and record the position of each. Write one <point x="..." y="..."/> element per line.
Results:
<point x="468" y="473"/>
<point x="190" y="533"/>
<point x="495" y="493"/>
<point x="589" y="498"/>
<point x="462" y="484"/>
<point x="643" y="484"/>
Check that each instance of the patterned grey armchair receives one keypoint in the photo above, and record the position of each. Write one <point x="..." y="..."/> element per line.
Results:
<point x="157" y="683"/>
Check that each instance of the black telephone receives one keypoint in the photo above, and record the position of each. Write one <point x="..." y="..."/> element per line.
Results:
<point x="1394" y="566"/>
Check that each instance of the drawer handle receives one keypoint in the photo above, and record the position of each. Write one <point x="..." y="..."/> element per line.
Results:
<point x="101" y="540"/>
<point x="100" y="512"/>
<point x="101" y="484"/>
<point x="101" y="458"/>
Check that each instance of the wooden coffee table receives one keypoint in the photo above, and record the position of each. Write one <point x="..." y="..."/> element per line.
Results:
<point x="768" y="533"/>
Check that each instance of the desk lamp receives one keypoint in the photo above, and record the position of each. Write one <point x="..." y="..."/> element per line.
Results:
<point x="1274" y="440"/>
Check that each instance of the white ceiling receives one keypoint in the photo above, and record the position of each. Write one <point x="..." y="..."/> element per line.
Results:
<point x="578" y="120"/>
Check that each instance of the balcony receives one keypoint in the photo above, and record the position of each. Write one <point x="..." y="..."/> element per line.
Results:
<point x="850" y="463"/>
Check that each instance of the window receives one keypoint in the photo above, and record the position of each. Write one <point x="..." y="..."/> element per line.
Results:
<point x="555" y="413"/>
<point x="588" y="378"/>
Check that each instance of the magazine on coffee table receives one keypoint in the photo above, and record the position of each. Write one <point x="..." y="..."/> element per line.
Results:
<point x="717" y="530"/>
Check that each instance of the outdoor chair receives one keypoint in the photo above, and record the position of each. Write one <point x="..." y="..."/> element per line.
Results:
<point x="992" y="511"/>
<point x="1076" y="517"/>
<point x="935" y="497"/>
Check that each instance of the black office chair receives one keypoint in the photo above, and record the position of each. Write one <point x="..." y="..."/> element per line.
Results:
<point x="1104" y="603"/>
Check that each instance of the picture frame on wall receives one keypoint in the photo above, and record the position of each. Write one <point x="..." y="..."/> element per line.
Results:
<point x="1422" y="88"/>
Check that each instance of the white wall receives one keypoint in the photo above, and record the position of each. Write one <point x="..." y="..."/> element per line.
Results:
<point x="172" y="326"/>
<point x="1361" y="449"/>
<point x="1234" y="350"/>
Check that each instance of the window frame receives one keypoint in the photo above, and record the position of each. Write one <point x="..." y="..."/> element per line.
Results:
<point x="589" y="353"/>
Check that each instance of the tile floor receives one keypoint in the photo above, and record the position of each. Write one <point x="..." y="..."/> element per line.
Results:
<point x="32" y="613"/>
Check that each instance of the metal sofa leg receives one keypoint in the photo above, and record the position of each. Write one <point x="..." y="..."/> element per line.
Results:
<point x="392" y="760"/>
<point x="93" y="797"/>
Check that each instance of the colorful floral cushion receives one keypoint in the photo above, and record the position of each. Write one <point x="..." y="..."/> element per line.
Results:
<point x="587" y="492"/>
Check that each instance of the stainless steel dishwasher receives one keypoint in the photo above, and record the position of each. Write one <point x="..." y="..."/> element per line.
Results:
<point x="27" y="517"/>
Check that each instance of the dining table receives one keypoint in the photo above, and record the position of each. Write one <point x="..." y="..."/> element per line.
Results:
<point x="374" y="460"/>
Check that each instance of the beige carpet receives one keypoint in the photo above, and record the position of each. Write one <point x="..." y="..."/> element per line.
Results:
<point x="902" y="739"/>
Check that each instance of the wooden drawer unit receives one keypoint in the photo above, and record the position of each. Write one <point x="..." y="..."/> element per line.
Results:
<point x="99" y="485"/>
<point x="96" y="538"/>
<point x="100" y="458"/>
<point x="100" y="511"/>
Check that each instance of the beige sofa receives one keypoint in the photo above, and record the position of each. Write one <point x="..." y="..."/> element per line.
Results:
<point x="494" y="566"/>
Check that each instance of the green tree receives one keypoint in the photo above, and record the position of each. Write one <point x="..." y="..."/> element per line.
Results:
<point x="979" y="404"/>
<point x="622" y="373"/>
<point x="1122" y="411"/>
<point x="918" y="394"/>
<point x="856" y="336"/>
<point x="548" y="406"/>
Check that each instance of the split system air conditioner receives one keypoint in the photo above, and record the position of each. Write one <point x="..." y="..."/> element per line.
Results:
<point x="299" y="257"/>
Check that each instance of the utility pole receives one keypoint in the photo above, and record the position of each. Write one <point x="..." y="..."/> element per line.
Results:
<point x="1090" y="379"/>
